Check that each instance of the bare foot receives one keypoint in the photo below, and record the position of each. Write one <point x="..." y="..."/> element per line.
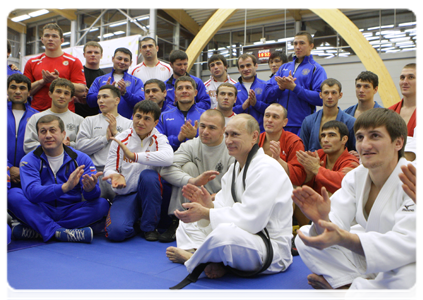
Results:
<point x="215" y="270"/>
<point x="177" y="255"/>
<point x="320" y="284"/>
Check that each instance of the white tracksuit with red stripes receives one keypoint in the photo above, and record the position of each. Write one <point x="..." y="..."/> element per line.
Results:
<point x="153" y="151"/>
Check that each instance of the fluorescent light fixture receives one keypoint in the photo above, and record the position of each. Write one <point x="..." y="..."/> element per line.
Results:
<point x="366" y="34"/>
<point x="383" y="45"/>
<point x="94" y="29"/>
<point x="66" y="43"/>
<point x="377" y="27"/>
<point x="404" y="39"/>
<point x="378" y="42"/>
<point x="372" y="38"/>
<point x="361" y="30"/>
<point x="325" y="48"/>
<point x="407" y="46"/>
<point x="143" y="18"/>
<point x="38" y="13"/>
<point x="258" y="43"/>
<point x="396" y="36"/>
<point x="118" y="32"/>
<point x="389" y="48"/>
<point x="408" y="49"/>
<point x="286" y="39"/>
<point x="20" y="18"/>
<point x="331" y="51"/>
<point x="106" y="35"/>
<point x="331" y="56"/>
<point x="392" y="32"/>
<point x="67" y="33"/>
<point x="393" y="51"/>
<point x="407" y="24"/>
<point x="118" y="24"/>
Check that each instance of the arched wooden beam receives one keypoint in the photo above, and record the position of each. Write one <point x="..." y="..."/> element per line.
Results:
<point x="367" y="54"/>
<point x="184" y="19"/>
<point x="69" y="14"/>
<point x="206" y="33"/>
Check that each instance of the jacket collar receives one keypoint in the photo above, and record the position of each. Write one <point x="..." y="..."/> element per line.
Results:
<point x="39" y="152"/>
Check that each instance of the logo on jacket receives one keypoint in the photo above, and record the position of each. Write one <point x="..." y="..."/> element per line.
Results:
<point x="127" y="83"/>
<point x="170" y="119"/>
<point x="71" y="127"/>
<point x="119" y="129"/>
<point x="407" y="208"/>
<point x="219" y="167"/>
<point x="305" y="71"/>
<point x="258" y="91"/>
<point x="65" y="63"/>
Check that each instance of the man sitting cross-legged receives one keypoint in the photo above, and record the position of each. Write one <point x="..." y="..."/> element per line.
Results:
<point x="130" y="169"/>
<point x="364" y="237"/>
<point x="254" y="198"/>
<point x="201" y="161"/>
<point x="55" y="180"/>
<point x="327" y="167"/>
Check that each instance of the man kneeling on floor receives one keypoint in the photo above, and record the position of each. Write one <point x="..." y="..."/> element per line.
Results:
<point x="130" y="169"/>
<point x="55" y="180"/>
<point x="248" y="227"/>
<point x="364" y="237"/>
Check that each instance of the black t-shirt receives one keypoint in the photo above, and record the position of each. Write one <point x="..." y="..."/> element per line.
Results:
<point x="83" y="109"/>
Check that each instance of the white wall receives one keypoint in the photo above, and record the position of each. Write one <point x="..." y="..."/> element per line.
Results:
<point x="345" y="70"/>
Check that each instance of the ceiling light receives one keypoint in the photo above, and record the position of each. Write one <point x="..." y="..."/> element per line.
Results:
<point x="396" y="37"/>
<point x="408" y="49"/>
<point x="66" y="43"/>
<point x="404" y="39"/>
<point x="143" y="18"/>
<point x="286" y="39"/>
<point x="38" y="13"/>
<point x="21" y="18"/>
<point x="119" y="32"/>
<point x="118" y="24"/>
<point x="407" y="24"/>
<point x="407" y="46"/>
<point x="67" y="33"/>
<point x="106" y="35"/>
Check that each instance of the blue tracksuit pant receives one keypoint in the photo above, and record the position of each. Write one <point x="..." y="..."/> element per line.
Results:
<point x="145" y="204"/>
<point x="46" y="219"/>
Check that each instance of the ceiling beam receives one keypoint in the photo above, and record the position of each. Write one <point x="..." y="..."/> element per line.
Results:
<point x="206" y="33"/>
<point x="16" y="26"/>
<point x="184" y="19"/>
<point x="362" y="48"/>
<point x="295" y="13"/>
<point x="69" y="14"/>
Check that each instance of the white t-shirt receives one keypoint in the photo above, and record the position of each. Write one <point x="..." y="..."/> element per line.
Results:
<point x="18" y="113"/>
<point x="56" y="162"/>
<point x="161" y="71"/>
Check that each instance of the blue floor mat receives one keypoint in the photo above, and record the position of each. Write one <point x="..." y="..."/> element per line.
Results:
<point x="132" y="264"/>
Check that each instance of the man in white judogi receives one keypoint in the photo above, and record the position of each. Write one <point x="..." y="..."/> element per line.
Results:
<point x="228" y="225"/>
<point x="364" y="237"/>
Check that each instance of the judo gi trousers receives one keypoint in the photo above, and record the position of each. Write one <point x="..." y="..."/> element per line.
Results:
<point x="227" y="243"/>
<point x="336" y="264"/>
<point x="46" y="219"/>
<point x="144" y="204"/>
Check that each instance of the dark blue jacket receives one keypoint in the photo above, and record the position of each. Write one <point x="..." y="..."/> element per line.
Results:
<point x="351" y="110"/>
<point x="15" y="141"/>
<point x="40" y="185"/>
<point x="172" y="119"/>
<point x="310" y="130"/>
<point x="202" y="99"/>
<point x="264" y="96"/>
<point x="302" y="101"/>
<point x="134" y="93"/>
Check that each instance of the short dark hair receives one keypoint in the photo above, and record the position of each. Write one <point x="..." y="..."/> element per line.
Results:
<point x="368" y="76"/>
<point x="186" y="78"/>
<point x="160" y="83"/>
<point x="279" y="54"/>
<point x="307" y="34"/>
<point x="148" y="38"/>
<point x="285" y="111"/>
<point x="215" y="113"/>
<point x="177" y="54"/>
<point x="19" y="78"/>
<point x="410" y="66"/>
<point x="93" y="44"/>
<point x="342" y="128"/>
<point x="148" y="107"/>
<point x="115" y="91"/>
<point x="9" y="47"/>
<point x="227" y="84"/>
<point x="54" y="26"/>
<point x="62" y="82"/>
<point x="331" y="82"/>
<point x="216" y="57"/>
<point x="392" y="121"/>
<point x="246" y="56"/>
<point x="123" y="50"/>
<point x="50" y="118"/>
